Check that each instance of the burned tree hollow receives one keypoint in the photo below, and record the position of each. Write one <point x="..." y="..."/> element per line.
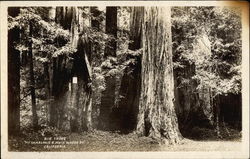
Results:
<point x="71" y="89"/>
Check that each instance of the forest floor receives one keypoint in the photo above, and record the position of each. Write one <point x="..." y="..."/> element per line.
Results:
<point x="114" y="141"/>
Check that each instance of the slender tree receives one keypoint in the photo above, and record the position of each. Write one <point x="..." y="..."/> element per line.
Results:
<point x="96" y="56"/>
<point x="32" y="79"/>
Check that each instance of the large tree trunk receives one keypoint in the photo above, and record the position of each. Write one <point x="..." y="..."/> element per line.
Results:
<point x="157" y="117"/>
<point x="82" y="70"/>
<point x="73" y="98"/>
<point x="187" y="103"/>
<point x="193" y="106"/>
<point x="231" y="109"/>
<point x="13" y="77"/>
<point x="128" y="106"/>
<point x="32" y="80"/>
<point x="108" y="95"/>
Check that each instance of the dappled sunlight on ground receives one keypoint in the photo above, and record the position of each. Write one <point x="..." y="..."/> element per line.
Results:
<point x="192" y="145"/>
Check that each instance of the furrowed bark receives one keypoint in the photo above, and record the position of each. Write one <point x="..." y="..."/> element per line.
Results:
<point x="157" y="117"/>
<point x="74" y="106"/>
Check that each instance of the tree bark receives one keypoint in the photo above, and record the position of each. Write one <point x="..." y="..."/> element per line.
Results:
<point x="136" y="22"/>
<point x="186" y="101"/>
<point x="128" y="106"/>
<point x="111" y="29"/>
<point x="47" y="90"/>
<point x="96" y="55"/>
<point x="73" y="105"/>
<point x="157" y="117"/>
<point x="13" y="77"/>
<point x="217" y="120"/>
<point x="32" y="80"/>
<point x="193" y="106"/>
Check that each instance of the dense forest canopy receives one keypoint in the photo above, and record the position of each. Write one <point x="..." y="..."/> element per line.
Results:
<point x="155" y="71"/>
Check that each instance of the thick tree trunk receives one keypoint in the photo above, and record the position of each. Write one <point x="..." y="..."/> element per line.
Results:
<point x="73" y="103"/>
<point x="13" y="77"/>
<point x="188" y="106"/>
<point x="128" y="106"/>
<point x="108" y="96"/>
<point x="83" y="72"/>
<point x="157" y="117"/>
<point x="83" y="103"/>
<point x="193" y="106"/>
<point x="32" y="81"/>
<point x="231" y="109"/>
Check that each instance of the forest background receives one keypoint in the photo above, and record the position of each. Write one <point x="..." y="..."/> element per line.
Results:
<point x="122" y="66"/>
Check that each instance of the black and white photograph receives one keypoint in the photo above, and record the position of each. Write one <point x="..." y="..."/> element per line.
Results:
<point x="86" y="77"/>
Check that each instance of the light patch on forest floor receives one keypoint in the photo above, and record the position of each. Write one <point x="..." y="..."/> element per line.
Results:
<point x="192" y="145"/>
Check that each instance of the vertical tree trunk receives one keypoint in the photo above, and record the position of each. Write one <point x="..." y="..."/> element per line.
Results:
<point x="186" y="97"/>
<point x="73" y="106"/>
<point x="216" y="105"/>
<point x="94" y="21"/>
<point x="13" y="77"/>
<point x="108" y="96"/>
<point x="53" y="115"/>
<point x="74" y="103"/>
<point x="32" y="80"/>
<point x="47" y="90"/>
<point x="97" y="50"/>
<point x="157" y="117"/>
<point x="136" y="22"/>
<point x="111" y="29"/>
<point x="83" y="71"/>
<point x="131" y="81"/>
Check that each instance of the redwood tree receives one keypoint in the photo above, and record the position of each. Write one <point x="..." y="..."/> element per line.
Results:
<point x="13" y="76"/>
<point x="108" y="96"/>
<point x="157" y="117"/>
<point x="73" y="104"/>
<point x="131" y="80"/>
